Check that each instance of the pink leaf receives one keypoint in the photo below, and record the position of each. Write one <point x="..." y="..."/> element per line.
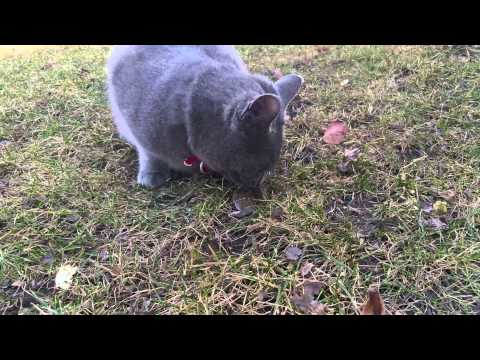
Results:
<point x="277" y="74"/>
<point x="335" y="133"/>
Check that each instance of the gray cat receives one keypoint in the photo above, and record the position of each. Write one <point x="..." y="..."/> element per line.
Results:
<point x="190" y="109"/>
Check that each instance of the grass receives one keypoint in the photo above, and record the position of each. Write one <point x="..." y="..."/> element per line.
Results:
<point x="68" y="193"/>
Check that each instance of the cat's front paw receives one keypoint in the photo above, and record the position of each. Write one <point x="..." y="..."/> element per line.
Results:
<point x="152" y="180"/>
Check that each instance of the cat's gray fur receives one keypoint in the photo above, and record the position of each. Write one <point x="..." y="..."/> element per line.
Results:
<point x="174" y="101"/>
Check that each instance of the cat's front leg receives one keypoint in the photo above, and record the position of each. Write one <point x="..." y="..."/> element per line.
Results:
<point x="152" y="172"/>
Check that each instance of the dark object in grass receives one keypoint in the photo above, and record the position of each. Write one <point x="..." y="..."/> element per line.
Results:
<point x="277" y="213"/>
<point x="345" y="168"/>
<point x="72" y="219"/>
<point x="47" y="259"/>
<point x="36" y="201"/>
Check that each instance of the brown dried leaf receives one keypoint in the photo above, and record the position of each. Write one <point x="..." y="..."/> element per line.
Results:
<point x="317" y="308"/>
<point x="374" y="304"/>
<point x="255" y="227"/>
<point x="312" y="287"/>
<point x="306" y="268"/>
<point x="305" y="301"/>
<point x="335" y="133"/>
<point x="448" y="195"/>
<point x="116" y="270"/>
<point x="302" y="301"/>
<point x="262" y="296"/>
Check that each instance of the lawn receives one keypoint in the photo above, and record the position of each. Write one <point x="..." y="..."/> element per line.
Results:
<point x="404" y="216"/>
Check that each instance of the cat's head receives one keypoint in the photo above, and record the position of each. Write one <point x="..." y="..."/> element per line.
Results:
<point x="254" y="144"/>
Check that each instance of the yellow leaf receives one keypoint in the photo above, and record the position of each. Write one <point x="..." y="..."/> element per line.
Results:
<point x="63" y="279"/>
<point x="440" y="207"/>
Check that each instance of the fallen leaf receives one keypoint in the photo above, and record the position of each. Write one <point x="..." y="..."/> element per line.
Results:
<point x="435" y="224"/>
<point x="277" y="213"/>
<point x="305" y="301"/>
<point x="448" y="195"/>
<point x="335" y="133"/>
<point x="18" y="283"/>
<point x="63" y="279"/>
<point x="116" y="270"/>
<point x="440" y="207"/>
<point x="293" y="253"/>
<point x="312" y="287"/>
<point x="255" y="227"/>
<point x="277" y="74"/>
<point x="317" y="308"/>
<point x="262" y="296"/>
<point x="427" y="208"/>
<point x="352" y="154"/>
<point x="374" y="304"/>
<point x="306" y="268"/>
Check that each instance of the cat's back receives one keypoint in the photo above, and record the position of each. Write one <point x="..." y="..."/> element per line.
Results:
<point x="162" y="58"/>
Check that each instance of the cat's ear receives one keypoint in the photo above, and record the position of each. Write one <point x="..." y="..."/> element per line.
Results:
<point x="288" y="87"/>
<point x="263" y="110"/>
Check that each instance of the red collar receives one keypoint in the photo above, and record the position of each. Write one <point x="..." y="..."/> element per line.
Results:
<point x="192" y="160"/>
